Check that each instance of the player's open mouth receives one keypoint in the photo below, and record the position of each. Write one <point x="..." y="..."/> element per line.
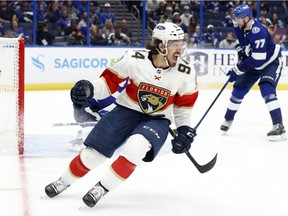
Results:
<point x="175" y="56"/>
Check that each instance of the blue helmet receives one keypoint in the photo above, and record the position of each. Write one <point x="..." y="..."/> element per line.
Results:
<point x="242" y="11"/>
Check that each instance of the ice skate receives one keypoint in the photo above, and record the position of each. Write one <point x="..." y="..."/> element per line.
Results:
<point x="226" y="125"/>
<point x="277" y="133"/>
<point x="55" y="188"/>
<point x="94" y="195"/>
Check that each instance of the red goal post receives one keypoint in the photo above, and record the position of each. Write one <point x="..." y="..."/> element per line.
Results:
<point x="12" y="52"/>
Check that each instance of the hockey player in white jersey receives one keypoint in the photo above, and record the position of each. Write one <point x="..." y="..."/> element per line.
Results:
<point x="259" y="59"/>
<point x="161" y="88"/>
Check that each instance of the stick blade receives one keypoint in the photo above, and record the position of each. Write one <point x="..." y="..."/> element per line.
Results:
<point x="203" y="168"/>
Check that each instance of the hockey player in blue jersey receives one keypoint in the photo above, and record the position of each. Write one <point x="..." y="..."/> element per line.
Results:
<point x="259" y="59"/>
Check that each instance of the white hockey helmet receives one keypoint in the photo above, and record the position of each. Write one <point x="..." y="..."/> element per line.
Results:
<point x="167" y="31"/>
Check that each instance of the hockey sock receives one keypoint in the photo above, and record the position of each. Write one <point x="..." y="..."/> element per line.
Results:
<point x="234" y="103"/>
<point x="232" y="108"/>
<point x="77" y="168"/>
<point x="274" y="108"/>
<point x="269" y="95"/>
<point x="119" y="171"/>
<point x="87" y="160"/>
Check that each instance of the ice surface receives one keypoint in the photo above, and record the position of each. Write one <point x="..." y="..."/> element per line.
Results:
<point x="250" y="177"/>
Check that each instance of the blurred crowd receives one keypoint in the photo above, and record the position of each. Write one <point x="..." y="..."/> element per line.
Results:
<point x="217" y="19"/>
<point x="65" y="22"/>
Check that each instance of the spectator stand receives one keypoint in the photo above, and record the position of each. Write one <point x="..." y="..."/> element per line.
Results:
<point x="121" y="11"/>
<point x="206" y="12"/>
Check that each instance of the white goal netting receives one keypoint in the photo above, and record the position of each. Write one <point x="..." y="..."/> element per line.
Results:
<point x="11" y="95"/>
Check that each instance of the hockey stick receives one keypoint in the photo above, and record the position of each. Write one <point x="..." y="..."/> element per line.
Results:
<point x="224" y="86"/>
<point x="210" y="164"/>
<point x="200" y="168"/>
<point x="82" y="124"/>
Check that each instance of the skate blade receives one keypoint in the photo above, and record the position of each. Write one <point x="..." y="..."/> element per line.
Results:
<point x="44" y="196"/>
<point x="224" y="133"/>
<point x="277" y="138"/>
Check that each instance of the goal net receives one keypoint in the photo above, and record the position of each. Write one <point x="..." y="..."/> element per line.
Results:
<point x="11" y="95"/>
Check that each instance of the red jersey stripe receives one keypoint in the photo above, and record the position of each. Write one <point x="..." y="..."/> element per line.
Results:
<point x="112" y="79"/>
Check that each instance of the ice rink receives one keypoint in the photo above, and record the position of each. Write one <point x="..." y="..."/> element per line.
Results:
<point x="250" y="177"/>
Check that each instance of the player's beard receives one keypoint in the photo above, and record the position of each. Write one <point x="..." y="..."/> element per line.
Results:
<point x="171" y="60"/>
<point x="245" y="24"/>
<point x="242" y="27"/>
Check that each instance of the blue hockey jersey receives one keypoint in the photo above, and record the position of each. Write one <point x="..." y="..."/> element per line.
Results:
<point x="258" y="46"/>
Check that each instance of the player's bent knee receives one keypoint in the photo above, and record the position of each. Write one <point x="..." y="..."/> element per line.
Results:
<point x="239" y="92"/>
<point x="267" y="89"/>
<point x="91" y="158"/>
<point x="136" y="148"/>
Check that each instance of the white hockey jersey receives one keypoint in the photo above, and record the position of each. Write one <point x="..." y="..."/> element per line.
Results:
<point x="151" y="90"/>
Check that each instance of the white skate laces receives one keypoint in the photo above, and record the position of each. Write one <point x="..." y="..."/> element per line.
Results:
<point x="94" y="195"/>
<point x="55" y="188"/>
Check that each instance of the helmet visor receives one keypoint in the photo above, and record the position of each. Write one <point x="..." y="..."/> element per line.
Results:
<point x="178" y="45"/>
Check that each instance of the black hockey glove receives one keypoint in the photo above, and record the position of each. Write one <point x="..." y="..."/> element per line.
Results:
<point x="82" y="92"/>
<point x="182" y="142"/>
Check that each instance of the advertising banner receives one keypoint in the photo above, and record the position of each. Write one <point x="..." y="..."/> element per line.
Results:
<point x="56" y="66"/>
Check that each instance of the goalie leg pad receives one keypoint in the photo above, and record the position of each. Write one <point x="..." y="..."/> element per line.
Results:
<point x="135" y="148"/>
<point x="91" y="158"/>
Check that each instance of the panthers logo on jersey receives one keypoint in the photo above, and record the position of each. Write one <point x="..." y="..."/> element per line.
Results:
<point x="152" y="98"/>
